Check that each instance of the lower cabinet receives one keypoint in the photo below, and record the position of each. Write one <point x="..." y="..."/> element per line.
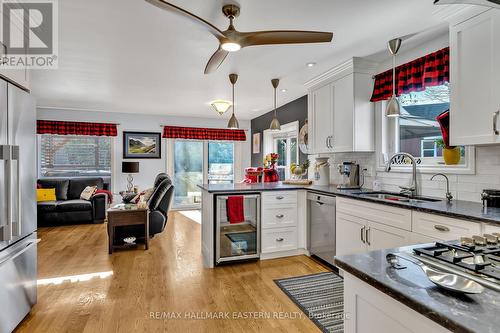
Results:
<point x="368" y="310"/>
<point x="279" y="232"/>
<point x="357" y="235"/>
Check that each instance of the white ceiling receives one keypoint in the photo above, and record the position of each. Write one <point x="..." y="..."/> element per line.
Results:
<point x="129" y="56"/>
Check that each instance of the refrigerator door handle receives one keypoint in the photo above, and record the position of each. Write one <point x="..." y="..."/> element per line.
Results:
<point x="6" y="154"/>
<point x="16" y="224"/>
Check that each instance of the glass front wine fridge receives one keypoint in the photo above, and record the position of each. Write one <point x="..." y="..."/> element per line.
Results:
<point x="237" y="227"/>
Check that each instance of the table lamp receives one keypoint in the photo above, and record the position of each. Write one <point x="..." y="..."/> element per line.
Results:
<point x="130" y="168"/>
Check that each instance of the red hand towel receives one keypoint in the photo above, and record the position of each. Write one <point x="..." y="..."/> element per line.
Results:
<point x="235" y="209"/>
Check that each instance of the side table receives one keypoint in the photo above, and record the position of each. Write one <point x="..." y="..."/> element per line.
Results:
<point x="122" y="215"/>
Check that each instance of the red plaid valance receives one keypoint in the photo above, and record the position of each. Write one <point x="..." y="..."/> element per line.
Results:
<point x="75" y="128"/>
<point x="194" y="133"/>
<point x="427" y="71"/>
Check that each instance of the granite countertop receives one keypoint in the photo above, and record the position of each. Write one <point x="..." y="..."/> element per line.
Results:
<point x="457" y="208"/>
<point x="410" y="286"/>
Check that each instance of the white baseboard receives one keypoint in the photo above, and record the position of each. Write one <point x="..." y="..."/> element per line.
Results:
<point x="281" y="254"/>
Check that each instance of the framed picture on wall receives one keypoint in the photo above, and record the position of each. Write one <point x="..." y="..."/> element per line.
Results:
<point x="141" y="145"/>
<point x="256" y="143"/>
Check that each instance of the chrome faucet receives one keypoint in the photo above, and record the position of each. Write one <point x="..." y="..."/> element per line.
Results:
<point x="412" y="190"/>
<point x="449" y="196"/>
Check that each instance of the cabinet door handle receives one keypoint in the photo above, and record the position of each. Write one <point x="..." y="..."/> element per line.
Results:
<point x="280" y="216"/>
<point x="326" y="142"/>
<point x="280" y="239"/>
<point x="330" y="139"/>
<point x="279" y="197"/>
<point x="441" y="228"/>
<point x="363" y="234"/>
<point x="495" y="122"/>
<point x="367" y="236"/>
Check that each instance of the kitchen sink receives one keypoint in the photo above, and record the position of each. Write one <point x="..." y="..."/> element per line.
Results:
<point x="389" y="196"/>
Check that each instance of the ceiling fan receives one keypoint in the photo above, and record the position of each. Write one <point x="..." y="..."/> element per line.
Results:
<point x="232" y="40"/>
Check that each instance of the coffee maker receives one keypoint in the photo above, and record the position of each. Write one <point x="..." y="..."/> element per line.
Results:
<point x="350" y="175"/>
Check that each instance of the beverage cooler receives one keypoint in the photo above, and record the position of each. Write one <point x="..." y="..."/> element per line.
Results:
<point x="237" y="227"/>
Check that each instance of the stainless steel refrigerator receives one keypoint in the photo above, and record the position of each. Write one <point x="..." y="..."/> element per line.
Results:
<point x="18" y="239"/>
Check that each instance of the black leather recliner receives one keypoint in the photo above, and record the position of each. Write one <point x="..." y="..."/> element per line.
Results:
<point x="68" y="208"/>
<point x="158" y="204"/>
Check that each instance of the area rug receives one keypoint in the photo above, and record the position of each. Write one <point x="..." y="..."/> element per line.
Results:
<point x="320" y="297"/>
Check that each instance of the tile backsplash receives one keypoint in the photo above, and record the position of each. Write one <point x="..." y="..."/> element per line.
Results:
<point x="463" y="187"/>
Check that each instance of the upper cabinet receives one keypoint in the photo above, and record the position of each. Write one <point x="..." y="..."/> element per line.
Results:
<point x="16" y="76"/>
<point x="475" y="80"/>
<point x="341" y="116"/>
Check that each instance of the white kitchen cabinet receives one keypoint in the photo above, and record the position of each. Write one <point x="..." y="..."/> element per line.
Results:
<point x="19" y="77"/>
<point x="443" y="228"/>
<point x="320" y="117"/>
<point x="357" y="235"/>
<point x="349" y="233"/>
<point x="475" y="80"/>
<point x="379" y="236"/>
<point x="341" y="117"/>
<point x="371" y="311"/>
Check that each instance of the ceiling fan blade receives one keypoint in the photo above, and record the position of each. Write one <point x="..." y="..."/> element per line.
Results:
<point x="284" y="37"/>
<point x="196" y="19"/>
<point x="216" y="60"/>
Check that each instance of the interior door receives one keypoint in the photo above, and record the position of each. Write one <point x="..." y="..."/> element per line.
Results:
<point x="22" y="134"/>
<point x="349" y="234"/>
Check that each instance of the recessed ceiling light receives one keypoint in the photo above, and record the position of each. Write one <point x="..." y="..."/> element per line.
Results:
<point x="311" y="64"/>
<point x="284" y="90"/>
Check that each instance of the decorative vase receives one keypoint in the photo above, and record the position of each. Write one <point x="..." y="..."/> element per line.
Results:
<point x="271" y="174"/>
<point x="451" y="156"/>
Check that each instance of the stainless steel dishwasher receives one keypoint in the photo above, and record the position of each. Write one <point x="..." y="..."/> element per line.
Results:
<point x="321" y="223"/>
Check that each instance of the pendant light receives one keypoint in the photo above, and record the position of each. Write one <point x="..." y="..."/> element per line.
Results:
<point x="393" y="107"/>
<point x="233" y="122"/>
<point x="275" y="124"/>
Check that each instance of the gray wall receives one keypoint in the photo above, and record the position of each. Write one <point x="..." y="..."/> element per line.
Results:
<point x="293" y="111"/>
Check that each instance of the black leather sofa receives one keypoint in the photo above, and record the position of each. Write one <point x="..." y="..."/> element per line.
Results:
<point x="68" y="208"/>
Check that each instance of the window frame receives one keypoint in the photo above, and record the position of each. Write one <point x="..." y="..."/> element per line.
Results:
<point x="387" y="143"/>
<point x="39" y="156"/>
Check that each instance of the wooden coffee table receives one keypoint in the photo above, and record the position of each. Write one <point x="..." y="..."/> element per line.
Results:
<point x="122" y="215"/>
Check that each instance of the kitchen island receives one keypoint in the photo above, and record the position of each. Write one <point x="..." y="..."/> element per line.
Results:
<point x="418" y="221"/>
<point x="379" y="298"/>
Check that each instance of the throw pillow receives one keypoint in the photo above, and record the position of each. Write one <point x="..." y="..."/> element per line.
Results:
<point x="88" y="192"/>
<point x="143" y="196"/>
<point x="45" y="194"/>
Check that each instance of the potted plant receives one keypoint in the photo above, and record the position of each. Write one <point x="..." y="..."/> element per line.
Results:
<point x="451" y="154"/>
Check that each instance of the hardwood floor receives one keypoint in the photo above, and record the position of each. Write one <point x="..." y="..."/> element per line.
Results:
<point x="136" y="285"/>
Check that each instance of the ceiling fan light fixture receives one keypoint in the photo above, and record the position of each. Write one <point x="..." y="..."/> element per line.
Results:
<point x="221" y="106"/>
<point x="230" y="46"/>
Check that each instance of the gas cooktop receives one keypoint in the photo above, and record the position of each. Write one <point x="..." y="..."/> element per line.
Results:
<point x="479" y="255"/>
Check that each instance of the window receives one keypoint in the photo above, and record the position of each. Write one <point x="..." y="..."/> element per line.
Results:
<point x="73" y="156"/>
<point x="220" y="162"/>
<point x="418" y="133"/>
<point x="286" y="147"/>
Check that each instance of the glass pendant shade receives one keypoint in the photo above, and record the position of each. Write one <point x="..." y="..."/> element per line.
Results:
<point x="220" y="106"/>
<point x="275" y="124"/>
<point x="233" y="122"/>
<point x="393" y="107"/>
